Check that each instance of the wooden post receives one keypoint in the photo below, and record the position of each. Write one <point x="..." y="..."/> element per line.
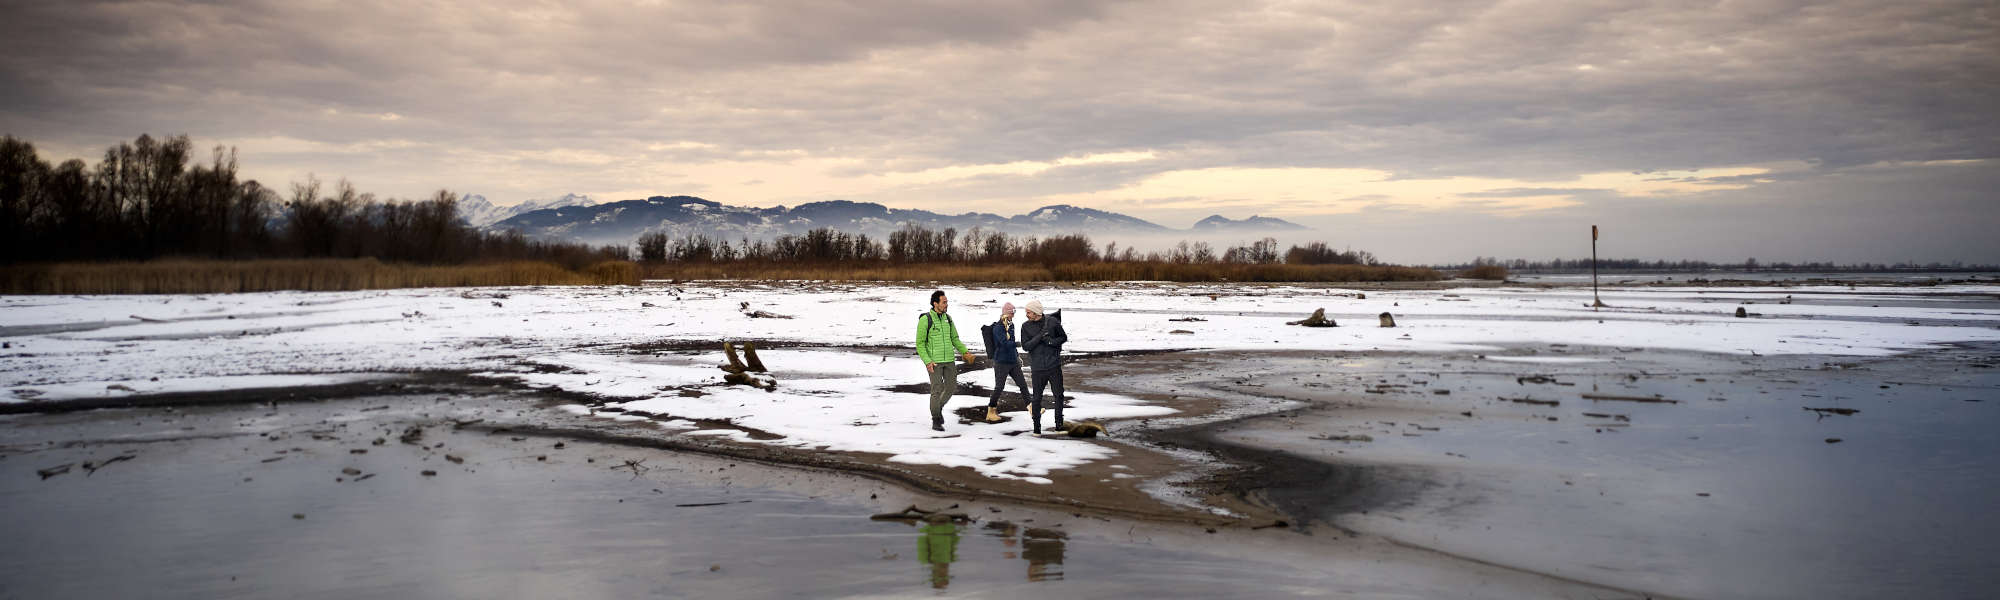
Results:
<point x="1595" y="301"/>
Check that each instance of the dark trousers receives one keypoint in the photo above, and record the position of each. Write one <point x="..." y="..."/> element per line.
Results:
<point x="1042" y="378"/>
<point x="1000" y="373"/>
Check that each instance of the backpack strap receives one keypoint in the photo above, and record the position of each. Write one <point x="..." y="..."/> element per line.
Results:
<point x="928" y="322"/>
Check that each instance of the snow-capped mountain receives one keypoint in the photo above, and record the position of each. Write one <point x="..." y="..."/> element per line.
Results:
<point x="1222" y="224"/>
<point x="624" y="221"/>
<point x="1075" y="218"/>
<point x="480" y="212"/>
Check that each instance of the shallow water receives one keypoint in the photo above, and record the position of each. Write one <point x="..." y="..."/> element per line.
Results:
<point x="1609" y="277"/>
<point x="207" y="509"/>
<point x="1733" y="491"/>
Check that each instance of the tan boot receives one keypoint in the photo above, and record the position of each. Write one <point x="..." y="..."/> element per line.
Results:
<point x="992" y="415"/>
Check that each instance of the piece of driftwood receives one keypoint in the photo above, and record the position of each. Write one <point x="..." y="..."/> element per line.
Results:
<point x="735" y="364"/>
<point x="92" y="468"/>
<point x="756" y="381"/>
<point x="699" y="504"/>
<point x="1318" y="319"/>
<point x="53" y="471"/>
<point x="740" y="373"/>
<point x="1833" y="411"/>
<point x="1533" y="401"/>
<point x="1610" y="397"/>
<point x="912" y="513"/>
<point x="1083" y="429"/>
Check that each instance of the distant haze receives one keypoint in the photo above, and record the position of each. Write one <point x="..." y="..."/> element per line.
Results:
<point x="1426" y="132"/>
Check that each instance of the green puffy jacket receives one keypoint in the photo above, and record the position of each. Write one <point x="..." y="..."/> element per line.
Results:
<point x="935" y="340"/>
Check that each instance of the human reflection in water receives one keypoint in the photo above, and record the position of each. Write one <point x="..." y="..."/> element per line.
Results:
<point x="937" y="546"/>
<point x="1042" y="548"/>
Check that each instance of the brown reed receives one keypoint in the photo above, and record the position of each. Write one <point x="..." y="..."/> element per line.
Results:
<point x="178" y="276"/>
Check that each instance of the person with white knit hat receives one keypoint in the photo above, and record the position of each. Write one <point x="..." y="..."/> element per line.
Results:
<point x="1043" y="337"/>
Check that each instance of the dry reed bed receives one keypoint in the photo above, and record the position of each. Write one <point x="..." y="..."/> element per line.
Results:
<point x="212" y="276"/>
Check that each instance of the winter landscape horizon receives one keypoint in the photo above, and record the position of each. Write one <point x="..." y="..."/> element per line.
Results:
<point x="1021" y="299"/>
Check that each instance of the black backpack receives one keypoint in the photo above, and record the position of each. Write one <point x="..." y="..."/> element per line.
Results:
<point x="986" y="335"/>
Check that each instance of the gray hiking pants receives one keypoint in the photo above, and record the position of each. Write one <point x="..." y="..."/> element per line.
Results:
<point x="944" y="383"/>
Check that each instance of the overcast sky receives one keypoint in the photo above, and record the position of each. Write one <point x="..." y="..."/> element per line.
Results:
<point x="1424" y="132"/>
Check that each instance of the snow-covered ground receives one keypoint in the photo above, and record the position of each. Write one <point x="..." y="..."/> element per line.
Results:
<point x="833" y="400"/>
<point x="67" y="347"/>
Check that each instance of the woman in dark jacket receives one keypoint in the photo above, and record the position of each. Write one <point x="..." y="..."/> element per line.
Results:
<point x="1002" y="347"/>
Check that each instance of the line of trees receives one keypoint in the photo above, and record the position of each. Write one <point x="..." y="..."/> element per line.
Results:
<point x="1562" y="265"/>
<point x="914" y="244"/>
<point x="151" y="198"/>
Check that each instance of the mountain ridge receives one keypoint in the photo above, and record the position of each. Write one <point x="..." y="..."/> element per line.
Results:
<point x="623" y="221"/>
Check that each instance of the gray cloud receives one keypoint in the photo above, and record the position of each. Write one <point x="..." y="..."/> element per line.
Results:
<point x="1531" y="192"/>
<point x="405" y="98"/>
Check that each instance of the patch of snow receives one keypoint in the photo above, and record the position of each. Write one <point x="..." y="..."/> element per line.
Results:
<point x="76" y="346"/>
<point x="833" y="400"/>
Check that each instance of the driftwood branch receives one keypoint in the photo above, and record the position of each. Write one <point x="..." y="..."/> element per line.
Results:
<point x="1318" y="319"/>
<point x="1653" y="399"/>
<point x="912" y="513"/>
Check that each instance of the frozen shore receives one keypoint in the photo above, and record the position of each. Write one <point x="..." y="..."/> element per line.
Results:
<point x="1160" y="363"/>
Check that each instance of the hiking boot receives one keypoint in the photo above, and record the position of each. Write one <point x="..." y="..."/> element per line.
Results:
<point x="937" y="424"/>
<point x="992" y="415"/>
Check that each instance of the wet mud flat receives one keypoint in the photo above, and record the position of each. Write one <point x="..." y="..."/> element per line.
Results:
<point x="1680" y="474"/>
<point x="444" y="489"/>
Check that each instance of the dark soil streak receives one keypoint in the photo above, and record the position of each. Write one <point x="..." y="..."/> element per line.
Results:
<point x="392" y="383"/>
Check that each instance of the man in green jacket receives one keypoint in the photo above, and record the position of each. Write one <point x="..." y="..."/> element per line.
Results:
<point x="936" y="338"/>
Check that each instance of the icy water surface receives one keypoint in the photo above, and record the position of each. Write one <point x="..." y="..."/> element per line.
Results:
<point x="1609" y="277"/>
<point x="1733" y="489"/>
<point x="256" y="502"/>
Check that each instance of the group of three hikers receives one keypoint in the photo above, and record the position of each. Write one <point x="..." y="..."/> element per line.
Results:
<point x="1042" y="337"/>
